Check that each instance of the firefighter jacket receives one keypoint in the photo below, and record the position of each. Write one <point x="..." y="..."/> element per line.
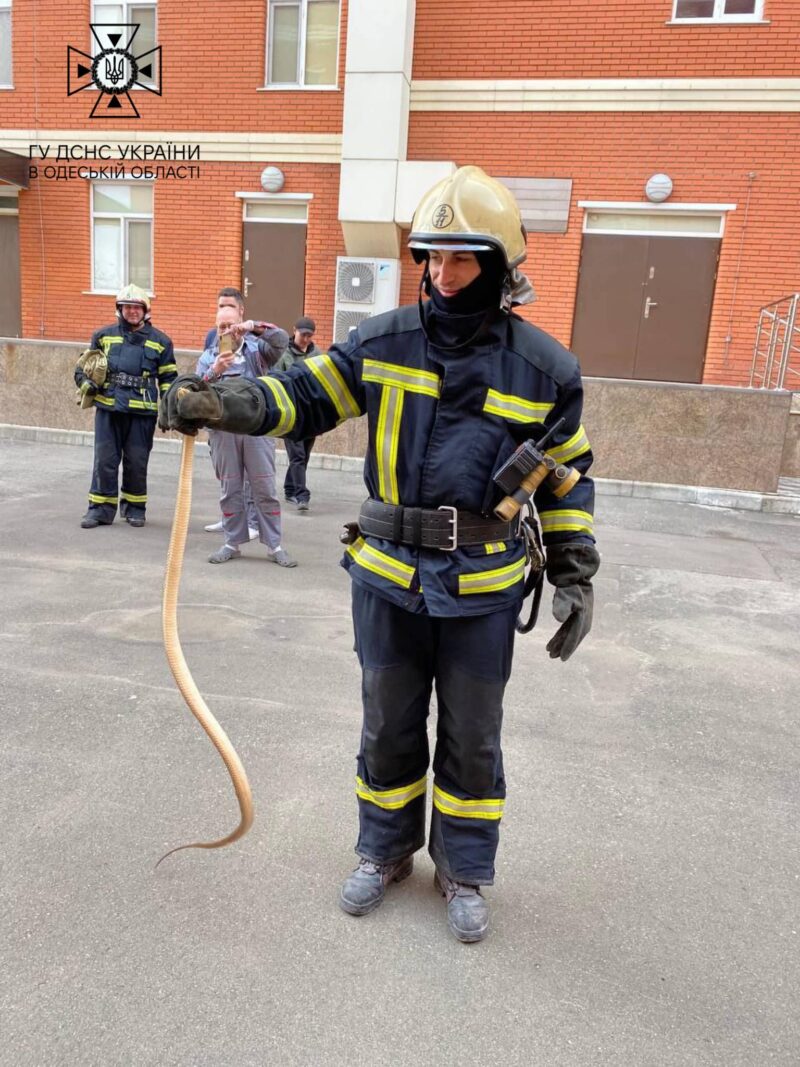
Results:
<point x="440" y="425"/>
<point x="141" y="366"/>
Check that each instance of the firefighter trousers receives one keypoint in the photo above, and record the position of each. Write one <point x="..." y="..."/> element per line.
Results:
<point x="126" y="439"/>
<point x="402" y="656"/>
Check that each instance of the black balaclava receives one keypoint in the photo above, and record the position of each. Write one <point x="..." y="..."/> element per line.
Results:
<point x="456" y="321"/>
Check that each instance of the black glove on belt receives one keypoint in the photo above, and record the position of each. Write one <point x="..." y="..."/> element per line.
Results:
<point x="570" y="568"/>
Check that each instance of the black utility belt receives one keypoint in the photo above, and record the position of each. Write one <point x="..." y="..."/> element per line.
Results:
<point x="131" y="381"/>
<point x="446" y="527"/>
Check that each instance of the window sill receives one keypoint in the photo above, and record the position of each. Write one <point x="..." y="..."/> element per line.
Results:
<point x="109" y="292"/>
<point x="8" y="88"/>
<point x="298" y="89"/>
<point x="719" y="22"/>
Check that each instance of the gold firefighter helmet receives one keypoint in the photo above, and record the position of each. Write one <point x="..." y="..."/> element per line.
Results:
<point x="469" y="212"/>
<point x="94" y="364"/>
<point x="132" y="294"/>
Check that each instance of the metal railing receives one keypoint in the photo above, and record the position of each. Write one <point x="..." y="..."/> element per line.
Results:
<point x="776" y="355"/>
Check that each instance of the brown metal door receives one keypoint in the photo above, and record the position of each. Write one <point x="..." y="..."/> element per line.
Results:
<point x="274" y="271"/>
<point x="643" y="306"/>
<point x="608" y="306"/>
<point x="10" y="317"/>
<point x="678" y="292"/>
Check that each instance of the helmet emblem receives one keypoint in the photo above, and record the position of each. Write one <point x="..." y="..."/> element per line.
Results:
<point x="442" y="216"/>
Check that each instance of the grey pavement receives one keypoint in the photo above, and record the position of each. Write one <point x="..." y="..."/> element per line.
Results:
<point x="646" y="905"/>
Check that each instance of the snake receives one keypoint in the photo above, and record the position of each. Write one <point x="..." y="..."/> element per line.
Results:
<point x="177" y="662"/>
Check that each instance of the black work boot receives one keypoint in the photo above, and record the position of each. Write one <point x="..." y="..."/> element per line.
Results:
<point x="365" y="888"/>
<point x="467" y="911"/>
<point x="94" y="517"/>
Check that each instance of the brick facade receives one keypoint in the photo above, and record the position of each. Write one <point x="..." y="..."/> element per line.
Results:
<point x="214" y="67"/>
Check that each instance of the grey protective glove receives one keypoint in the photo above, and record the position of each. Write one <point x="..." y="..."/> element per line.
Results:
<point x="570" y="568"/>
<point x="235" y="405"/>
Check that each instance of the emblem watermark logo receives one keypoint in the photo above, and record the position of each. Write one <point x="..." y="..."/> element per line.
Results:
<point x="114" y="70"/>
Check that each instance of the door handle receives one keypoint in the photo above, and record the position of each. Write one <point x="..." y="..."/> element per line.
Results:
<point x="647" y="305"/>
<point x="248" y="283"/>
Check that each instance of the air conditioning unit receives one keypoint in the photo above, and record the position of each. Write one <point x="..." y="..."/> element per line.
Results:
<point x="364" y="287"/>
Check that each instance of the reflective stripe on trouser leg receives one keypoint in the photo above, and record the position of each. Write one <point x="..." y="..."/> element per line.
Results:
<point x="258" y="454"/>
<point x="137" y="444"/>
<point x="108" y="436"/>
<point x="227" y="456"/>
<point x="395" y="652"/>
<point x="473" y="664"/>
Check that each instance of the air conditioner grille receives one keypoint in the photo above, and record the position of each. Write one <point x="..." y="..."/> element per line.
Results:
<point x="345" y="322"/>
<point x="355" y="282"/>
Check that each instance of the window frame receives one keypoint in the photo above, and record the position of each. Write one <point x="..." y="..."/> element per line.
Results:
<point x="135" y="216"/>
<point x="126" y="20"/>
<point x="300" y="85"/>
<point x="719" y="17"/>
<point x="8" y="5"/>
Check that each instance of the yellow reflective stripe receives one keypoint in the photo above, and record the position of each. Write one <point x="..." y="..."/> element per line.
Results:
<point x="327" y="374"/>
<point x="566" y="519"/>
<point x="415" y="381"/>
<point x="490" y="808"/>
<point x="390" y="799"/>
<point x="95" y="498"/>
<point x="492" y="581"/>
<point x="515" y="408"/>
<point x="144" y="405"/>
<point x="386" y="442"/>
<point x="495" y="546"/>
<point x="575" y="446"/>
<point x="106" y="341"/>
<point x="372" y="559"/>
<point x="134" y="499"/>
<point x="167" y="368"/>
<point x="164" y="386"/>
<point x="154" y="344"/>
<point x="109" y="401"/>
<point x="285" y="407"/>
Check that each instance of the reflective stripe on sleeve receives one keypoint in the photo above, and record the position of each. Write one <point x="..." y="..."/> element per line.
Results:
<point x="168" y="368"/>
<point x="391" y="799"/>
<point x="515" y="408"/>
<point x="571" y="449"/>
<point x="492" y="581"/>
<point x="563" y="520"/>
<point x="372" y="559"/>
<point x="392" y="374"/>
<point x="285" y="407"/>
<point x="327" y="374"/>
<point x="387" y="438"/>
<point x="164" y="386"/>
<point x="447" y="804"/>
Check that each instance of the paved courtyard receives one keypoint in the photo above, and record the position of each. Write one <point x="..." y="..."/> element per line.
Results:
<point x="646" y="906"/>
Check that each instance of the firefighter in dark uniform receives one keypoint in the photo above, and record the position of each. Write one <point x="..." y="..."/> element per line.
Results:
<point x="141" y="365"/>
<point x="450" y="388"/>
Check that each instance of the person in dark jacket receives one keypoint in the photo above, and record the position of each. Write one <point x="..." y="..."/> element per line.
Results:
<point x="298" y="453"/>
<point x="450" y="388"/>
<point x="141" y="364"/>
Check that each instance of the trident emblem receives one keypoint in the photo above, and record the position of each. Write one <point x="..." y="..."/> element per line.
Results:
<point x="115" y="69"/>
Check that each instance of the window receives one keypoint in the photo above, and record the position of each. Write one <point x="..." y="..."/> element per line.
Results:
<point x="718" y="10"/>
<point x="130" y="13"/>
<point x="5" y="45"/>
<point x="122" y="235"/>
<point x="302" y="42"/>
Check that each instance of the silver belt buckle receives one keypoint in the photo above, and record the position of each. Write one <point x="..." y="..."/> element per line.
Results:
<point x="454" y="528"/>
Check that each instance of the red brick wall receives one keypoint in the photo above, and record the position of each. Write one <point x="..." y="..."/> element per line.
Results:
<point x="197" y="250"/>
<point x="213" y="63"/>
<point x="609" y="157"/>
<point x="597" y="39"/>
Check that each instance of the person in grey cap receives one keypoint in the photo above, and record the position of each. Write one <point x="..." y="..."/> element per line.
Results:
<point x="298" y="453"/>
